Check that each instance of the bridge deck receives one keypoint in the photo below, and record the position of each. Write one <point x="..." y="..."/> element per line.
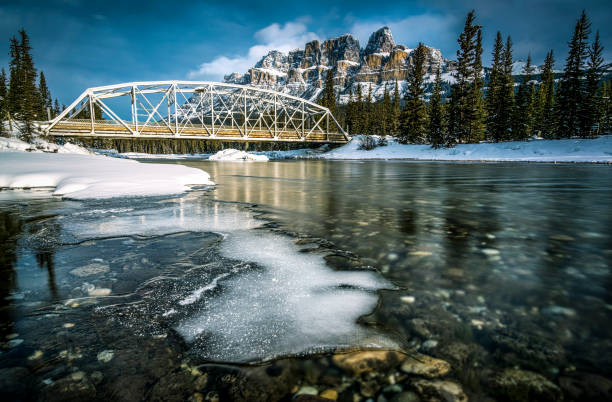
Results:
<point x="221" y="133"/>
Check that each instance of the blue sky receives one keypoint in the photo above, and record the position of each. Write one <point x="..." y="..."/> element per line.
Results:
<point x="79" y="44"/>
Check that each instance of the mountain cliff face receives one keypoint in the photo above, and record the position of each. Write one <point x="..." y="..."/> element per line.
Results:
<point x="302" y="72"/>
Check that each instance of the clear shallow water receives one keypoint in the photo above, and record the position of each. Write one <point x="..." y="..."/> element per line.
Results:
<point x="499" y="265"/>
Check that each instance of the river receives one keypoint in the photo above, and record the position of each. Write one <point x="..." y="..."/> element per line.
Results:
<point x="246" y="291"/>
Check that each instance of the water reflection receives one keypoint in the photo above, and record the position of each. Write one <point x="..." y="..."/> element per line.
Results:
<point x="45" y="260"/>
<point x="10" y="231"/>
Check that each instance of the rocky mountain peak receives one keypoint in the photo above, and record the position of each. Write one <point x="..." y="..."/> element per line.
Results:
<point x="380" y="41"/>
<point x="273" y="60"/>
<point x="344" y="47"/>
<point x="302" y="72"/>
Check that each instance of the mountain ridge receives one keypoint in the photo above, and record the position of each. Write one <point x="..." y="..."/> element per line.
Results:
<point x="302" y="72"/>
<point x="376" y="67"/>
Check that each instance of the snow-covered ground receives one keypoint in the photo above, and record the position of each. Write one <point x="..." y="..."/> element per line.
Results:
<point x="570" y="150"/>
<point x="75" y="173"/>
<point x="141" y="155"/>
<point x="303" y="153"/>
<point x="236" y="155"/>
<point x="39" y="145"/>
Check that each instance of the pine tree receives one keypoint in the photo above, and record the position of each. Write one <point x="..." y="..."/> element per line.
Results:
<point x="495" y="87"/>
<point x="350" y="112"/>
<point x="523" y="109"/>
<point x="506" y="98"/>
<point x="435" y="129"/>
<point x="14" y="89"/>
<point x="357" y="112"/>
<point x="590" y="113"/>
<point x="45" y="97"/>
<point x="477" y="115"/>
<point x="396" y="110"/>
<point x="56" y="108"/>
<point x="328" y="97"/>
<point x="413" y="119"/>
<point x="544" y="122"/>
<point x="385" y="117"/>
<point x="466" y="109"/>
<point x="369" y="114"/>
<point x="3" y="99"/>
<point x="27" y="97"/>
<point x="98" y="112"/>
<point x="571" y="93"/>
<point x="387" y="113"/>
<point x="605" y="122"/>
<point x="360" y="118"/>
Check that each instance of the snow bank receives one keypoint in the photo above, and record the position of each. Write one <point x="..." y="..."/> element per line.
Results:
<point x="571" y="150"/>
<point x="39" y="145"/>
<point x="91" y="176"/>
<point x="13" y="145"/>
<point x="303" y="153"/>
<point x="236" y="155"/>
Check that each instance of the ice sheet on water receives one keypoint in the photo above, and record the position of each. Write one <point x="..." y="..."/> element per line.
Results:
<point x="295" y="305"/>
<point x="148" y="218"/>
<point x="261" y="298"/>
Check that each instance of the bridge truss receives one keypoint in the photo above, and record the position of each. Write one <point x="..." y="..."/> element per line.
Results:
<point x="197" y="110"/>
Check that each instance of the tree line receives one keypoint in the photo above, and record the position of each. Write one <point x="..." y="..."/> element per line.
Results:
<point x="24" y="94"/>
<point x="577" y="104"/>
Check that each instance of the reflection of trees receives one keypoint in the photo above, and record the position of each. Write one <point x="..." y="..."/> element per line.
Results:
<point x="46" y="234"/>
<point x="45" y="260"/>
<point x="10" y="230"/>
<point x="467" y="223"/>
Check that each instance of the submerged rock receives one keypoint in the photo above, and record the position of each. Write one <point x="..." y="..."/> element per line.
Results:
<point x="357" y="363"/>
<point x="426" y="366"/>
<point x="440" y="390"/>
<point x="586" y="386"/>
<point x="91" y="269"/>
<point x="329" y="394"/>
<point x="98" y="292"/>
<point x="307" y="390"/>
<point x="106" y="355"/>
<point x="521" y="385"/>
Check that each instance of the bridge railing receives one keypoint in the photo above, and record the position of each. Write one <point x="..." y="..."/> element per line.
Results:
<point x="199" y="109"/>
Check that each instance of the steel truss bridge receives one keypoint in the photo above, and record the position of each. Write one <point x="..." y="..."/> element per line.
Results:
<point x="197" y="110"/>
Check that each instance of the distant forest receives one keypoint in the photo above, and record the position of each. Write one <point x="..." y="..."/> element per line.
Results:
<point x="575" y="105"/>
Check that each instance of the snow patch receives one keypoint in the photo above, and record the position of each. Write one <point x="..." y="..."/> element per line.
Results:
<point x="91" y="176"/>
<point x="236" y="155"/>
<point x="37" y="144"/>
<point x="570" y="150"/>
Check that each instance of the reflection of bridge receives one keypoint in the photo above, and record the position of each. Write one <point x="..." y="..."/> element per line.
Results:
<point x="197" y="110"/>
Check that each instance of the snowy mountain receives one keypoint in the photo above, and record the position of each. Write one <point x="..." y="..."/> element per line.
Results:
<point x="302" y="72"/>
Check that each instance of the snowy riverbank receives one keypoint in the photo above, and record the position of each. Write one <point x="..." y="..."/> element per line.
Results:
<point x="570" y="150"/>
<point x="75" y="173"/>
<point x="598" y="150"/>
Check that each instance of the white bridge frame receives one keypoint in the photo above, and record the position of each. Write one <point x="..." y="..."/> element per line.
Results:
<point x="199" y="110"/>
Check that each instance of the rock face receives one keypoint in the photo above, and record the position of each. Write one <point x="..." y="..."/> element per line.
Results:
<point x="302" y="72"/>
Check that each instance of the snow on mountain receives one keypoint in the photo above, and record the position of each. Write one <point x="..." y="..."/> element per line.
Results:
<point x="377" y="66"/>
<point x="302" y="72"/>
